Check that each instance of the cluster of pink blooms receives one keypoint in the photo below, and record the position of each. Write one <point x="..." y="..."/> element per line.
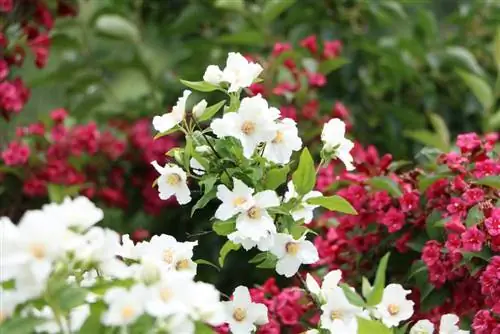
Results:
<point x="36" y="23"/>
<point x="99" y="163"/>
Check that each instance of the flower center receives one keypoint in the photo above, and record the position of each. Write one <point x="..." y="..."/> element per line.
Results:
<point x="336" y="315"/>
<point x="239" y="201"/>
<point x="239" y="314"/>
<point x="182" y="264"/>
<point x="38" y="251"/>
<point x="393" y="309"/>
<point x="254" y="213"/>
<point x="128" y="312"/>
<point x="168" y="256"/>
<point x="292" y="248"/>
<point x="248" y="127"/>
<point x="173" y="179"/>
<point x="280" y="137"/>
<point x="165" y="294"/>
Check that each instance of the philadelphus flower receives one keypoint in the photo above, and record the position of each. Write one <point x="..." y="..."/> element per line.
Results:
<point x="422" y="327"/>
<point x="449" y="325"/>
<point x="292" y="253"/>
<point x="169" y="120"/>
<point x="338" y="314"/>
<point x="302" y="210"/>
<point x="335" y="143"/>
<point x="124" y="306"/>
<point x="168" y="297"/>
<point x="252" y="124"/>
<point x="330" y="282"/>
<point x="213" y="75"/>
<point x="394" y="306"/>
<point x="242" y="315"/>
<point x="233" y="201"/>
<point x="285" y="141"/>
<point x="204" y="301"/>
<point x="172" y="181"/>
<point x="80" y="212"/>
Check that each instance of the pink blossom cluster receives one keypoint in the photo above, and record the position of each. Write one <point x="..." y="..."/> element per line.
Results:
<point x="34" y="34"/>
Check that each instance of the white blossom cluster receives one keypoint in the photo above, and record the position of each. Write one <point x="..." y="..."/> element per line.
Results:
<point x="447" y="325"/>
<point x="60" y="245"/>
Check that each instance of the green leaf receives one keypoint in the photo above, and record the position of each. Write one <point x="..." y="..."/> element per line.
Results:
<point x="480" y="88"/>
<point x="328" y="66"/>
<point x="402" y="330"/>
<point x="433" y="298"/>
<point x="416" y="268"/>
<point x="352" y="296"/>
<point x="93" y="323"/>
<point x="465" y="58"/>
<point x="425" y="181"/>
<point x="224" y="228"/>
<point x="494" y="121"/>
<point x="71" y="297"/>
<point x="387" y="184"/>
<point x="56" y="192"/>
<point x="21" y="325"/>
<point x="366" y="287"/>
<point x="202" y="328"/>
<point x="432" y="224"/>
<point x="276" y="177"/>
<point x="378" y="288"/>
<point x="204" y="200"/>
<point x="211" y="111"/>
<point x="258" y="258"/>
<point x="496" y="49"/>
<point x="166" y="133"/>
<point x="273" y="8"/>
<point x="200" y="86"/>
<point x="366" y="326"/>
<point x="426" y="138"/>
<point x="441" y="130"/>
<point x="208" y="263"/>
<point x="490" y="181"/>
<point x="269" y="262"/>
<point x="225" y="250"/>
<point x="246" y="37"/>
<point x="188" y="149"/>
<point x="334" y="203"/>
<point x="116" y="26"/>
<point x="474" y="216"/>
<point x="236" y="5"/>
<point x="304" y="178"/>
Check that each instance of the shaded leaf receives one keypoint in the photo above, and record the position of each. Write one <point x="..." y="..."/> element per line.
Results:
<point x="378" y="287"/>
<point x="116" y="26"/>
<point x="387" y="184"/>
<point x="228" y="247"/>
<point x="273" y="8"/>
<point x="208" y="263"/>
<point x="304" y="178"/>
<point x="490" y="181"/>
<point x="480" y="88"/>
<point x="366" y="326"/>
<point x="276" y="177"/>
<point x="224" y="227"/>
<point x="352" y="295"/>
<point x="333" y="203"/>
<point x="211" y="111"/>
<point x="328" y="66"/>
<point x="200" y="86"/>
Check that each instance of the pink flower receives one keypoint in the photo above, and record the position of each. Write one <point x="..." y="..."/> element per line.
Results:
<point x="6" y="5"/>
<point x="279" y="48"/>
<point x="409" y="201"/>
<point x="483" y="322"/>
<point x="473" y="196"/>
<point x="393" y="219"/>
<point x="58" y="115"/>
<point x="468" y="142"/>
<point x="310" y="43"/>
<point x="493" y="222"/>
<point x="16" y="154"/>
<point x="288" y="112"/>
<point x="310" y="109"/>
<point x="431" y="253"/>
<point x="473" y="239"/>
<point x="316" y="79"/>
<point x="4" y="69"/>
<point x="332" y="49"/>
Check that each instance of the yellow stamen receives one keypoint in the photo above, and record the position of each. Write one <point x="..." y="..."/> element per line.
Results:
<point x="336" y="315"/>
<point x="166" y="294"/>
<point x="239" y="201"/>
<point x="254" y="213"/>
<point x="182" y="264"/>
<point x="38" y="250"/>
<point x="292" y="248"/>
<point x="128" y="312"/>
<point x="239" y="314"/>
<point x="248" y="127"/>
<point x="173" y="179"/>
<point x="168" y="256"/>
<point x="393" y="309"/>
<point x="280" y="137"/>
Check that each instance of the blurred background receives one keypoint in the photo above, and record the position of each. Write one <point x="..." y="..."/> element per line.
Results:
<point x="402" y="74"/>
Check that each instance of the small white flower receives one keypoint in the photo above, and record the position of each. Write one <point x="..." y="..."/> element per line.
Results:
<point x="292" y="253"/>
<point x="285" y="141"/>
<point x="169" y="120"/>
<point x="242" y="314"/>
<point x="204" y="301"/>
<point x="335" y="143"/>
<point x="172" y="181"/>
<point x="200" y="108"/>
<point x="8" y="302"/>
<point x="239" y="72"/>
<point x="330" y="282"/>
<point x="197" y="168"/>
<point x="338" y="315"/>
<point x="422" y="327"/>
<point x="263" y="244"/>
<point x="302" y="210"/>
<point x="168" y="297"/>
<point x="213" y="75"/>
<point x="79" y="212"/>
<point x="233" y="201"/>
<point x="124" y="306"/>
<point x="252" y="124"/>
<point x="394" y="306"/>
<point x="449" y="325"/>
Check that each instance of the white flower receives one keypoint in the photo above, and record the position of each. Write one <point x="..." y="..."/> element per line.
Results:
<point x="285" y="141"/>
<point x="233" y="201"/>
<point x="204" y="300"/>
<point x="80" y="212"/>
<point x="168" y="297"/>
<point x="77" y="317"/>
<point x="169" y="120"/>
<point x="125" y="306"/>
<point x="335" y="143"/>
<point x="252" y="124"/>
<point x="172" y="181"/>
<point x="338" y="315"/>
<point x="302" y="210"/>
<point x="422" y="327"/>
<point x="213" y="75"/>
<point x="394" y="306"/>
<point x="263" y="244"/>
<point x="199" y="108"/>
<point x="449" y="325"/>
<point x="239" y="72"/>
<point x="197" y="168"/>
<point x="242" y="314"/>
<point x="8" y="302"/>
<point x="330" y="282"/>
<point x="292" y="253"/>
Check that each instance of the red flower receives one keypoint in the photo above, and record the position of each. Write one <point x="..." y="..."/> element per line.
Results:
<point x="473" y="239"/>
<point x="310" y="43"/>
<point x="16" y="154"/>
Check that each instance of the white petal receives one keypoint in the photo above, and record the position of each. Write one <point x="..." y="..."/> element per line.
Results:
<point x="199" y="108"/>
<point x="287" y="266"/>
<point x="312" y="285"/>
<point x="267" y="199"/>
<point x="308" y="254"/>
<point x="183" y="194"/>
<point x="241" y="297"/>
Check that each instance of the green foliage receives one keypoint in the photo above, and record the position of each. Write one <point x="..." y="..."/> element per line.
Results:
<point x="333" y="203"/>
<point x="376" y="293"/>
<point x="304" y="178"/>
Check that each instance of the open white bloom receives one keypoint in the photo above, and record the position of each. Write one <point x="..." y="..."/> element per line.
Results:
<point x="422" y="327"/>
<point x="77" y="317"/>
<point x="252" y="124"/>
<point x="285" y="141"/>
<point x="172" y="181"/>
<point x="242" y="314"/>
<point x="213" y="75"/>
<point x="263" y="244"/>
<point x="292" y="253"/>
<point x="200" y="108"/>
<point x="168" y="297"/>
<point x="8" y="303"/>
<point x="79" y="212"/>
<point x="169" y="120"/>
<point x="205" y="304"/>
<point x="233" y="201"/>
<point x="124" y="306"/>
<point x="256" y="223"/>
<point x="394" y="306"/>
<point x="302" y="210"/>
<point x="330" y="282"/>
<point x="449" y="325"/>
<point x="338" y="315"/>
<point x="335" y="143"/>
<point x="239" y="72"/>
